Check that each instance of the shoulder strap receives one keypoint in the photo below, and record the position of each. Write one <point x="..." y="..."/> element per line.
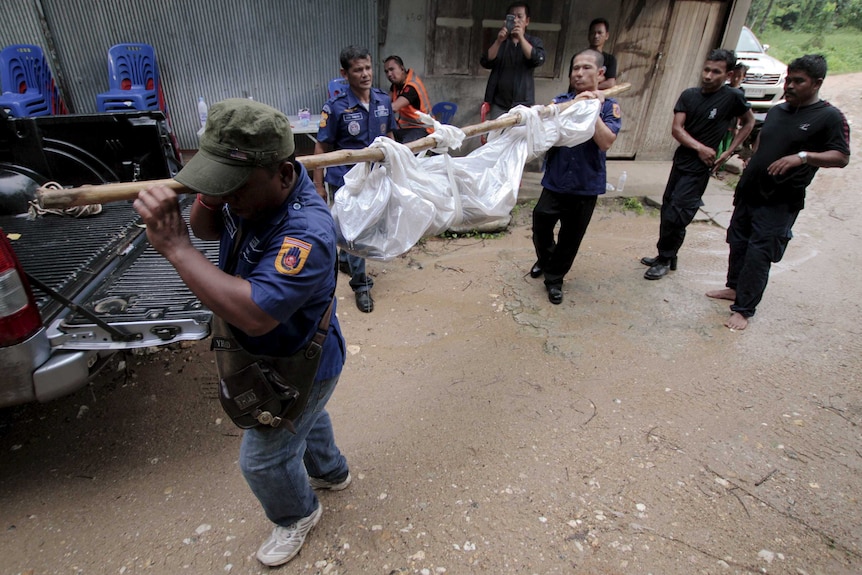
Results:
<point x="315" y="346"/>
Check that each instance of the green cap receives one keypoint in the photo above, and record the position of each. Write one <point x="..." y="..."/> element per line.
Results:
<point x="240" y="135"/>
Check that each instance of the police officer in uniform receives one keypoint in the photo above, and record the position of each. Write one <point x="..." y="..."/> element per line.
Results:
<point x="574" y="178"/>
<point x="351" y="121"/>
<point x="273" y="285"/>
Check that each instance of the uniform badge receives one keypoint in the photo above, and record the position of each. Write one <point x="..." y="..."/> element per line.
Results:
<point x="323" y="117"/>
<point x="616" y="111"/>
<point x="353" y="128"/>
<point x="292" y="256"/>
<point x="383" y="129"/>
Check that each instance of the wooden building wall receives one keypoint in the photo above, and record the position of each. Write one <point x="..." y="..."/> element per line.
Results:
<point x="659" y="44"/>
<point x="694" y="29"/>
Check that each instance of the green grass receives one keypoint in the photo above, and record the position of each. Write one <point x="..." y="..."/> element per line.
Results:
<point x="842" y="48"/>
<point x="634" y="205"/>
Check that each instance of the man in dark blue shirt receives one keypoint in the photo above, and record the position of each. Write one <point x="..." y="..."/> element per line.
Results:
<point x="274" y="289"/>
<point x="351" y="121"/>
<point x="701" y="117"/>
<point x="574" y="178"/>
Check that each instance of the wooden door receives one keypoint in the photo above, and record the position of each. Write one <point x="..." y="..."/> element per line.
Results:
<point x="639" y="46"/>
<point x="695" y="28"/>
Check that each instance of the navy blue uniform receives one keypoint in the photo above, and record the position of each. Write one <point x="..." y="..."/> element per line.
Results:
<point x="289" y="260"/>
<point x="574" y="178"/>
<point x="345" y="124"/>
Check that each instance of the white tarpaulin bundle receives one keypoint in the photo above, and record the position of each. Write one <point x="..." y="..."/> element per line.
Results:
<point x="383" y="209"/>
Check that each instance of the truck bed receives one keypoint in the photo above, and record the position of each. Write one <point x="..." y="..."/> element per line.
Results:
<point x="105" y="264"/>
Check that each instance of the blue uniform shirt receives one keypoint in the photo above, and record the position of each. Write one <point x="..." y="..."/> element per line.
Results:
<point x="581" y="169"/>
<point x="289" y="259"/>
<point x="347" y="125"/>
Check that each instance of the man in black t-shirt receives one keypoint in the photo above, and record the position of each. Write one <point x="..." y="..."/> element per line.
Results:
<point x="701" y="117"/>
<point x="597" y="36"/>
<point x="799" y="136"/>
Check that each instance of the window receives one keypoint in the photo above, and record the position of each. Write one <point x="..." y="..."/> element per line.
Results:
<point x="461" y="30"/>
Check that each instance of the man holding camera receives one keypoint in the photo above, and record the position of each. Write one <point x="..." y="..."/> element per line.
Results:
<point x="512" y="58"/>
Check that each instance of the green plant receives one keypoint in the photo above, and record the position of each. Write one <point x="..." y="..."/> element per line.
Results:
<point x="472" y="234"/>
<point x="840" y="47"/>
<point x="634" y="205"/>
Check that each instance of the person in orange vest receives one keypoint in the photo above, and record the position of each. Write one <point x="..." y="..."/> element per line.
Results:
<point x="409" y="97"/>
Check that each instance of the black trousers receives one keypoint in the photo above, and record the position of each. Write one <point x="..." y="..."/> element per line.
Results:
<point x="573" y="213"/>
<point x="679" y="204"/>
<point x="758" y="237"/>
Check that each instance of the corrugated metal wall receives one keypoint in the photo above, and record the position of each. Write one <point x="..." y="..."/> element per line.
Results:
<point x="279" y="52"/>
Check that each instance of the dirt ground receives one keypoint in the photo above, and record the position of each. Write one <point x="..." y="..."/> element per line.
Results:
<point x="625" y="431"/>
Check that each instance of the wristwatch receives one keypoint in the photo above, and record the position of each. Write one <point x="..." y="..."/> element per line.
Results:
<point x="803" y="156"/>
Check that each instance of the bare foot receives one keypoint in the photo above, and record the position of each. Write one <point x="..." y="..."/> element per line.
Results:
<point x="726" y="293"/>
<point x="736" y="322"/>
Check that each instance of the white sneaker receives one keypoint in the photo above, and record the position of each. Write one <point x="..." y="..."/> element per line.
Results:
<point x="285" y="542"/>
<point x="322" y="484"/>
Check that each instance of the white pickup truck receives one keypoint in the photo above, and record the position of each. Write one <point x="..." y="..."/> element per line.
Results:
<point x="73" y="291"/>
<point x="764" y="81"/>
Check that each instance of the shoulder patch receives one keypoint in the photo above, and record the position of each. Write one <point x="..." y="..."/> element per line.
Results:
<point x="292" y="256"/>
<point x="324" y="115"/>
<point x="616" y="111"/>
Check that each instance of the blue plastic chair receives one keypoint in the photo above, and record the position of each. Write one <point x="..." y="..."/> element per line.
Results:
<point x="443" y="112"/>
<point x="27" y="83"/>
<point x="336" y="86"/>
<point x="133" y="80"/>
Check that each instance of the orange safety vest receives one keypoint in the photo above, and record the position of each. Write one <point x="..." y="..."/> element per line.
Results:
<point x="408" y="116"/>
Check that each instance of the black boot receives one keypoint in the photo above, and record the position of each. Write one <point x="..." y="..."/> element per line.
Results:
<point x="659" y="267"/>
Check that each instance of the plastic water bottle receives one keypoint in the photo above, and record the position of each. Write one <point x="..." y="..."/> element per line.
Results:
<point x="304" y="116"/>
<point x="621" y="184"/>
<point x="202" y="114"/>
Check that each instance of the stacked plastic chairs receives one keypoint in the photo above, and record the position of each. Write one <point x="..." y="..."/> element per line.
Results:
<point x="443" y="112"/>
<point x="27" y="83"/>
<point x="133" y="80"/>
<point x="336" y="86"/>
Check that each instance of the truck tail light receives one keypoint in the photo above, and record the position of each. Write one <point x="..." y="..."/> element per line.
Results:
<point x="19" y="316"/>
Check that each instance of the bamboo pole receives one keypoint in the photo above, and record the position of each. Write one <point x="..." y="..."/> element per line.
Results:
<point x="104" y="193"/>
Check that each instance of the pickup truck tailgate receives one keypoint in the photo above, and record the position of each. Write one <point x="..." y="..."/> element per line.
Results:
<point x="104" y="264"/>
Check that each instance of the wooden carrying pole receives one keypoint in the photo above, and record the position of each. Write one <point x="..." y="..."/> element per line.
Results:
<point x="104" y="193"/>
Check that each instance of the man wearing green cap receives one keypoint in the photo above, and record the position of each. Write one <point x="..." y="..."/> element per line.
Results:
<point x="273" y="290"/>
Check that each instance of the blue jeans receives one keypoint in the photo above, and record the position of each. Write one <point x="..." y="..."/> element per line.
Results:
<point x="359" y="281"/>
<point x="276" y="463"/>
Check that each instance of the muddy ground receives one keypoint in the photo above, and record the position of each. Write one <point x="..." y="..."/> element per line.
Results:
<point x="625" y="431"/>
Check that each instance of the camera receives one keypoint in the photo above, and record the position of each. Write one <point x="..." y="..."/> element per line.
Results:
<point x="510" y="22"/>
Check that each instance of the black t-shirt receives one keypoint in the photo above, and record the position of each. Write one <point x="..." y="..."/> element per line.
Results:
<point x="819" y="127"/>
<point x="707" y="118"/>
<point x="411" y="94"/>
<point x="610" y="65"/>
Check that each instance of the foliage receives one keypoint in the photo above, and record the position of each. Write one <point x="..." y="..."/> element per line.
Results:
<point x="634" y="205"/>
<point x="817" y="16"/>
<point x="842" y="49"/>
<point x="473" y="234"/>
